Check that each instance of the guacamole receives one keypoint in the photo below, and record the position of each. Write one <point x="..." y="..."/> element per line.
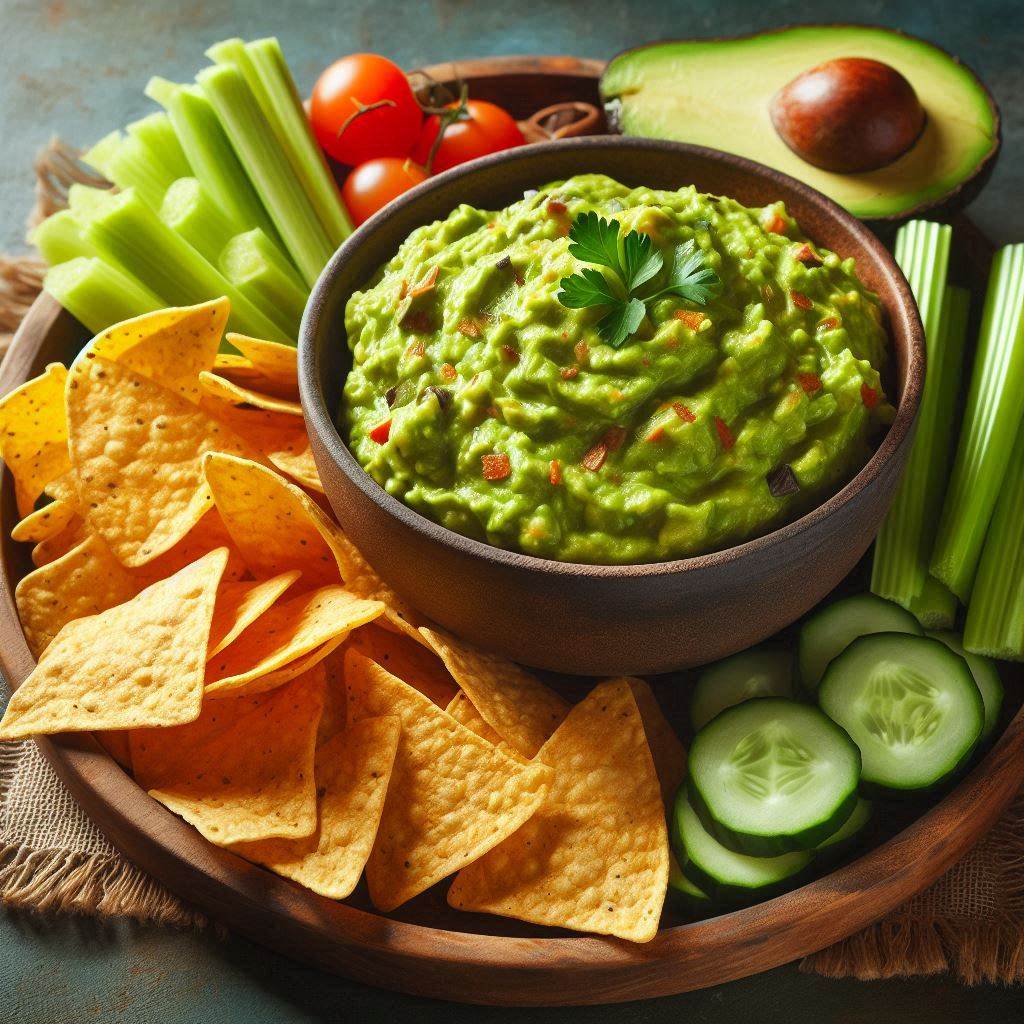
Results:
<point x="480" y="400"/>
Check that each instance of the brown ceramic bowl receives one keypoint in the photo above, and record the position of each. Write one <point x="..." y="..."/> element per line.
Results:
<point x="593" y="619"/>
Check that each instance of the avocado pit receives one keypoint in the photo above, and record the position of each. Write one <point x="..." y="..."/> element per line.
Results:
<point x="848" y="115"/>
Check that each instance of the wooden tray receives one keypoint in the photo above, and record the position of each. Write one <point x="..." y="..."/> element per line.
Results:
<point x="425" y="948"/>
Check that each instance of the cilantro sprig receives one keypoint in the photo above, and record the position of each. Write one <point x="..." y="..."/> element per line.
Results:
<point x="633" y="261"/>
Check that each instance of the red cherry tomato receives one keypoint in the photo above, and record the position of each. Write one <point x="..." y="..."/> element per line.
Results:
<point x="375" y="183"/>
<point x="486" y="129"/>
<point x="353" y="84"/>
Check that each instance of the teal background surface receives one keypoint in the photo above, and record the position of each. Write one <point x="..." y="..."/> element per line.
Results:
<point x="77" y="68"/>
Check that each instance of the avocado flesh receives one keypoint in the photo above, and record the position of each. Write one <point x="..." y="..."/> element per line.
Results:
<point x="717" y="93"/>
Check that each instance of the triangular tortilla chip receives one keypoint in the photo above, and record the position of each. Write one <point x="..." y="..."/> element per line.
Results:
<point x="140" y="663"/>
<point x="515" y="704"/>
<point x="208" y="534"/>
<point x="34" y="434"/>
<point x="298" y="667"/>
<point x="668" y="752"/>
<point x="454" y="795"/>
<point x="47" y="551"/>
<point x="411" y="662"/>
<point x="241" y="604"/>
<point x="137" y="449"/>
<point x="86" y="580"/>
<point x="237" y="394"/>
<point x="352" y="774"/>
<point x="461" y="709"/>
<point x="594" y="858"/>
<point x="44" y="523"/>
<point x="279" y="364"/>
<point x="284" y="633"/>
<point x="244" y="770"/>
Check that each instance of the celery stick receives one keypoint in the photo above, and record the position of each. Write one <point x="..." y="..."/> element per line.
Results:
<point x="127" y="232"/>
<point x="995" y="407"/>
<point x="246" y="263"/>
<point x="211" y="155"/>
<point x="266" y="71"/>
<point x="129" y="163"/>
<point x="935" y="607"/>
<point x="995" y="614"/>
<point x="156" y="133"/>
<point x="904" y="543"/>
<point x="98" y="294"/>
<point x="268" y="168"/>
<point x="197" y="218"/>
<point x="59" y="238"/>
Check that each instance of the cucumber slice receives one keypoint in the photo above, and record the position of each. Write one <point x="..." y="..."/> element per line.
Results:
<point x="986" y="676"/>
<point x="910" y="704"/>
<point x="759" y="672"/>
<point x="827" y="631"/>
<point x="721" y="873"/>
<point x="772" y="775"/>
<point x="837" y="843"/>
<point x="684" y="893"/>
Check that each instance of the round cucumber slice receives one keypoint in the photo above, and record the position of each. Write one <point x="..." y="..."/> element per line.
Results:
<point x="773" y="775"/>
<point x="759" y="672"/>
<point x="827" y="631"/>
<point x="986" y="676"/>
<point x="837" y="843"/>
<point x="722" y="873"/>
<point x="683" y="892"/>
<point x="910" y="704"/>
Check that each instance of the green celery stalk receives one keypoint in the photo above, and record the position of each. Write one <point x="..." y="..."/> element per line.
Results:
<point x="129" y="163"/>
<point x="935" y="607"/>
<point x="211" y="155"/>
<point x="995" y="408"/>
<point x="995" y="614"/>
<point x="197" y="218"/>
<point x="126" y="232"/>
<point x="59" y="238"/>
<point x="156" y="133"/>
<point x="98" y="294"/>
<point x="265" y="69"/>
<point x="249" y="263"/>
<point x="900" y="565"/>
<point x="268" y="168"/>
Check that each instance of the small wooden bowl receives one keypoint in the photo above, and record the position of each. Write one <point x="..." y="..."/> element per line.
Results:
<point x="593" y="619"/>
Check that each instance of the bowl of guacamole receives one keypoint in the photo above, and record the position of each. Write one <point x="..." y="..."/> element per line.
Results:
<point x="580" y="364"/>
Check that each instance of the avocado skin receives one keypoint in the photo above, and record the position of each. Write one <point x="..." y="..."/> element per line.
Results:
<point x="941" y="207"/>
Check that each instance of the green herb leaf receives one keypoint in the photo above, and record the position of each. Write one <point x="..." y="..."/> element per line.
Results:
<point x="691" y="277"/>
<point x="592" y="239"/>
<point x="587" y="288"/>
<point x="638" y="259"/>
<point x="623" y="320"/>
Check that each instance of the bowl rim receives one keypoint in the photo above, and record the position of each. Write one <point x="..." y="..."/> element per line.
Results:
<point x="321" y="422"/>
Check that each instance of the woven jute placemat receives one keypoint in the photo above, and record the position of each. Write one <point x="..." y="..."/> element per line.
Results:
<point x="53" y="859"/>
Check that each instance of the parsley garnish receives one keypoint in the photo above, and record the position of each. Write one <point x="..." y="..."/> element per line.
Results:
<point x="633" y="260"/>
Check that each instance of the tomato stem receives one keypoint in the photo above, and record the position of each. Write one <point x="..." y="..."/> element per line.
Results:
<point x="364" y="108"/>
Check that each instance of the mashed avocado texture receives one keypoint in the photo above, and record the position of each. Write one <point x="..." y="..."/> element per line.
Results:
<point x="482" y="402"/>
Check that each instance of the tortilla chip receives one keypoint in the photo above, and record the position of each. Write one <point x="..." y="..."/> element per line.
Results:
<point x="241" y="604"/>
<point x="171" y="347"/>
<point x="244" y="770"/>
<point x="335" y="716"/>
<point x="207" y="535"/>
<point x="279" y="364"/>
<point x="237" y="394"/>
<point x="140" y="663"/>
<point x="235" y="365"/>
<point x="515" y="704"/>
<point x="47" y="551"/>
<point x="116" y="742"/>
<point x="409" y="661"/>
<point x="284" y="633"/>
<point x="137" y="450"/>
<point x="85" y="581"/>
<point x="298" y="667"/>
<point x="667" y="751"/>
<point x="63" y="487"/>
<point x="352" y="774"/>
<point x="594" y="857"/>
<point x="454" y="795"/>
<point x="461" y="709"/>
<point x="45" y="522"/>
<point x="34" y="435"/>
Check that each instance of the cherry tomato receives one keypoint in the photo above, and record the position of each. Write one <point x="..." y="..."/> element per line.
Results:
<point x="353" y="84"/>
<point x="486" y="129"/>
<point x="375" y="183"/>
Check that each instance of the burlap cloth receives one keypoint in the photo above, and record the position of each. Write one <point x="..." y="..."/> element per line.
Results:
<point x="52" y="858"/>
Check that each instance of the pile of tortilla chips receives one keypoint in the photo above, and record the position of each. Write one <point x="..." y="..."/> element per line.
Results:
<point x="195" y="606"/>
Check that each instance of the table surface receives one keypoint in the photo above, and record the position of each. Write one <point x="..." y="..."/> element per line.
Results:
<point x="89" y="62"/>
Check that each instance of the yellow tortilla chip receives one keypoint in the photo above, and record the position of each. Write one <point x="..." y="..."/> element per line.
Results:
<point x="335" y="716"/>
<point x="668" y="752"/>
<point x="461" y="709"/>
<point x="244" y="770"/>
<point x="86" y="580"/>
<point x="63" y="488"/>
<point x="352" y="774"/>
<point x="237" y="394"/>
<point x="47" y="551"/>
<point x="44" y="523"/>
<point x="117" y="744"/>
<point x="284" y="633"/>
<point x="137" y="449"/>
<point x="515" y="704"/>
<point x="594" y="857"/>
<point x="34" y="434"/>
<point x="411" y="662"/>
<point x="207" y="535"/>
<point x="241" y="604"/>
<point x="140" y="663"/>
<point x="454" y="796"/>
<point x="171" y="347"/>
<point x="295" y="668"/>
<point x="279" y="364"/>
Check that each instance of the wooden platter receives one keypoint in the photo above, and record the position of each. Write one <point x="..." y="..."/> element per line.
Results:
<point x="426" y="948"/>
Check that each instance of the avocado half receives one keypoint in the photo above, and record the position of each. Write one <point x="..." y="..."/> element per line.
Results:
<point x="717" y="93"/>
